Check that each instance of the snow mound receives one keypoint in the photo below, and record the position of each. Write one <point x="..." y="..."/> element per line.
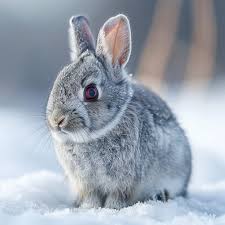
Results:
<point x="43" y="198"/>
<point x="41" y="191"/>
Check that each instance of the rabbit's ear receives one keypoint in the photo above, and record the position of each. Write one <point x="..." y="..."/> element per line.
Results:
<point x="114" y="40"/>
<point x="80" y="36"/>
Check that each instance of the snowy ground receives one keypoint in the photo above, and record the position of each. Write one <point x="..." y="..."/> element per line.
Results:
<point x="34" y="191"/>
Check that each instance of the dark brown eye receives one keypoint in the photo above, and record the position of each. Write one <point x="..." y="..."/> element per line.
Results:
<point x="90" y="93"/>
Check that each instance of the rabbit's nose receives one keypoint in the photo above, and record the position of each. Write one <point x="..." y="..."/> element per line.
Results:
<point x="60" y="121"/>
<point x="57" y="121"/>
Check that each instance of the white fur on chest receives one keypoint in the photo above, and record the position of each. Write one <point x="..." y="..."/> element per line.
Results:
<point x="86" y="175"/>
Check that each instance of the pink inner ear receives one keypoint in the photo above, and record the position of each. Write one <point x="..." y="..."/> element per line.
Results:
<point x="118" y="40"/>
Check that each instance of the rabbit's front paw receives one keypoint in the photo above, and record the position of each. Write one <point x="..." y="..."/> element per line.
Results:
<point x="91" y="201"/>
<point x="116" y="201"/>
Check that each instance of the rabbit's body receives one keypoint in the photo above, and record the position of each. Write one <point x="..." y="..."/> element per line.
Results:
<point x="123" y="148"/>
<point x="143" y="154"/>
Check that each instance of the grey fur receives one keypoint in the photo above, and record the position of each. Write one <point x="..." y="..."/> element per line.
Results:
<point x="124" y="148"/>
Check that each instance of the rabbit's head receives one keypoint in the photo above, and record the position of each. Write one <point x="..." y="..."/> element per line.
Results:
<point x="90" y="95"/>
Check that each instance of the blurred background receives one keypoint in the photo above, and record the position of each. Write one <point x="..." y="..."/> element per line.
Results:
<point x="176" y="43"/>
<point x="178" y="51"/>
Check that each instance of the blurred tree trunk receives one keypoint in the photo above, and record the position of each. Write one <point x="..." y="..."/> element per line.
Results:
<point x="201" y="58"/>
<point x="158" y="47"/>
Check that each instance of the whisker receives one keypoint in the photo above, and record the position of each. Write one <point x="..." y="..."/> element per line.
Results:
<point x="42" y="139"/>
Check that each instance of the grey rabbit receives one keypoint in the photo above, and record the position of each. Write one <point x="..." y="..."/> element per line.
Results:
<point x="118" y="142"/>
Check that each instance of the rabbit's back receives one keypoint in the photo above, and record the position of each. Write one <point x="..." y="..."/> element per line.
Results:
<point x="164" y="148"/>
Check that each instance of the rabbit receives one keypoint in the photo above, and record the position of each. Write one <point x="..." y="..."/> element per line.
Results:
<point x="117" y="142"/>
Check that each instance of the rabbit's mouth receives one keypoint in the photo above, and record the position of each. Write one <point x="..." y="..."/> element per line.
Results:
<point x="60" y="136"/>
<point x="77" y="136"/>
<point x="63" y="122"/>
<point x="65" y="128"/>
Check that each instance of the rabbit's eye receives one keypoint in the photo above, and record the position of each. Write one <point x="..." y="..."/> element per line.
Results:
<point x="90" y="93"/>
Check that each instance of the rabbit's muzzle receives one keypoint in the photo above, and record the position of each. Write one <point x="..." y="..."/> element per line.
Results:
<point x="57" y="120"/>
<point x="65" y="121"/>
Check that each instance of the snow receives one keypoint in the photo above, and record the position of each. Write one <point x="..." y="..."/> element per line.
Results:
<point x="34" y="191"/>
